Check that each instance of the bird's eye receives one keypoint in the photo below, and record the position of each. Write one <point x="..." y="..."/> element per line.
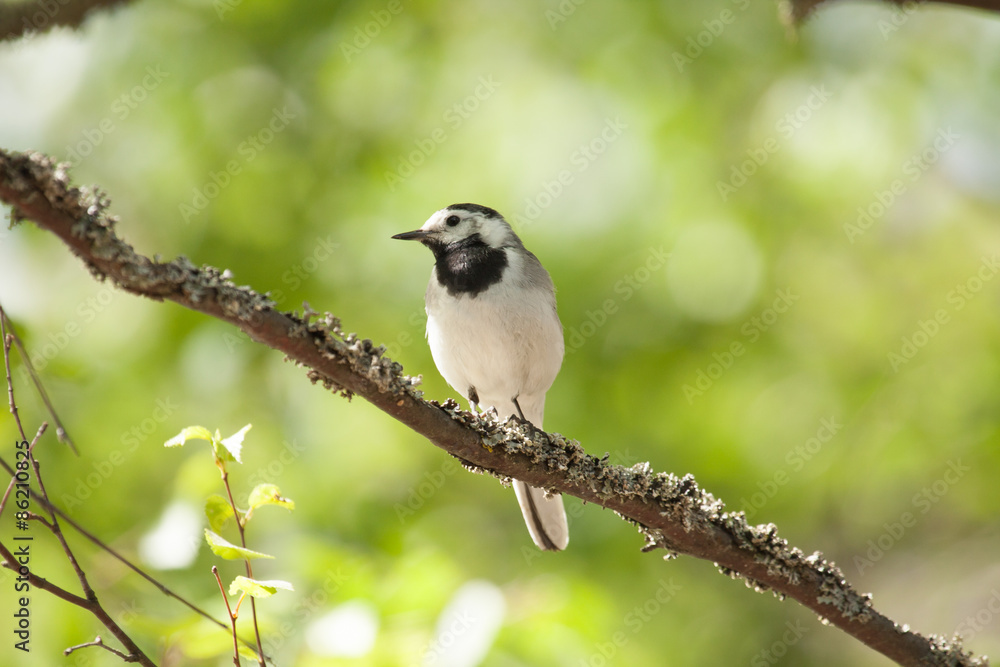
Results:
<point x="453" y="220"/>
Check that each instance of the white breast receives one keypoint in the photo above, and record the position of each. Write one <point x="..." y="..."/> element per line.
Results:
<point x="506" y="342"/>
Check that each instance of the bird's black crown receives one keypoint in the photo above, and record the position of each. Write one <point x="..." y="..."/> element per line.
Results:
<point x="476" y="208"/>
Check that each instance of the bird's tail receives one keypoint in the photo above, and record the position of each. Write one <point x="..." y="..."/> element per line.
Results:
<point x="546" y="517"/>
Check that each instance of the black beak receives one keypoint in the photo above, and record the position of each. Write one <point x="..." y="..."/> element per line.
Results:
<point x="415" y="235"/>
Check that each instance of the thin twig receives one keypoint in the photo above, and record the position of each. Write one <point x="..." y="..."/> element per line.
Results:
<point x="6" y="494"/>
<point x="120" y="558"/>
<point x="7" y="340"/>
<point x="232" y="617"/>
<point x="10" y="562"/>
<point x="93" y="604"/>
<point x="243" y="543"/>
<point x="38" y="518"/>
<point x="38" y="436"/>
<point x="99" y="642"/>
<point x="89" y="601"/>
<point x="57" y="531"/>
<point x="13" y="475"/>
<point x="61" y="433"/>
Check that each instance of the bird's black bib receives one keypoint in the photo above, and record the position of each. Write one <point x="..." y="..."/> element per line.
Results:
<point x="468" y="266"/>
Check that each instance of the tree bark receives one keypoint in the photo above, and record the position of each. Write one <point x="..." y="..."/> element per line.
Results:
<point x="38" y="16"/>
<point x="800" y="10"/>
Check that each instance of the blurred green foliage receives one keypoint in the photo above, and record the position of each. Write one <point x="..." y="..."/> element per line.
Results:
<point x="819" y="346"/>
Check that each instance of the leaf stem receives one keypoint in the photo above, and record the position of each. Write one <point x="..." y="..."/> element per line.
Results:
<point x="232" y="617"/>
<point x="243" y="542"/>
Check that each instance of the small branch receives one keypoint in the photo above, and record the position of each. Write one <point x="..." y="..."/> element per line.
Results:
<point x="43" y="500"/>
<point x="243" y="542"/>
<point x="232" y="617"/>
<point x="8" y="339"/>
<point x="61" y="433"/>
<point x="98" y="642"/>
<point x="673" y="513"/>
<point x="13" y="477"/>
<point x="124" y="561"/>
<point x="38" y="518"/>
<point x="93" y="605"/>
<point x="53" y="525"/>
<point x="38" y="435"/>
<point x="6" y="494"/>
<point x="89" y="601"/>
<point x="10" y="562"/>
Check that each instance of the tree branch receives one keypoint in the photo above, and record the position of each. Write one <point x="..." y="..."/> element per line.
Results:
<point x="90" y="603"/>
<point x="99" y="643"/>
<point x="49" y="506"/>
<point x="797" y="11"/>
<point x="7" y="559"/>
<point x="33" y="374"/>
<point x="38" y="16"/>
<point x="673" y="514"/>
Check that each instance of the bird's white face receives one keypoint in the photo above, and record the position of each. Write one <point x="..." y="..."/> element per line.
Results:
<point x="450" y="225"/>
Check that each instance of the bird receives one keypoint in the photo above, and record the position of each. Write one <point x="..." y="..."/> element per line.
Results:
<point x="494" y="332"/>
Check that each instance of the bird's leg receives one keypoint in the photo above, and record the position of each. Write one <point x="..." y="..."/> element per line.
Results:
<point x="473" y="400"/>
<point x="520" y="413"/>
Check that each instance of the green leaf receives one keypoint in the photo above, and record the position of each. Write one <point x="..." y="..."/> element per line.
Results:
<point x="234" y="444"/>
<point x="256" y="588"/>
<point x="224" y="549"/>
<point x="248" y="652"/>
<point x="218" y="510"/>
<point x="268" y="494"/>
<point x="189" y="433"/>
<point x="200" y="640"/>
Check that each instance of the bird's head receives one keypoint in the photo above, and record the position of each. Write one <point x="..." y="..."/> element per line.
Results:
<point x="461" y="224"/>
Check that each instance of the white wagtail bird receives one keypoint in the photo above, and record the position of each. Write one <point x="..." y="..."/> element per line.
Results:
<point x="494" y="332"/>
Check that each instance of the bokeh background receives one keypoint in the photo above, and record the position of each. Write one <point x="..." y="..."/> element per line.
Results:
<point x="777" y="262"/>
